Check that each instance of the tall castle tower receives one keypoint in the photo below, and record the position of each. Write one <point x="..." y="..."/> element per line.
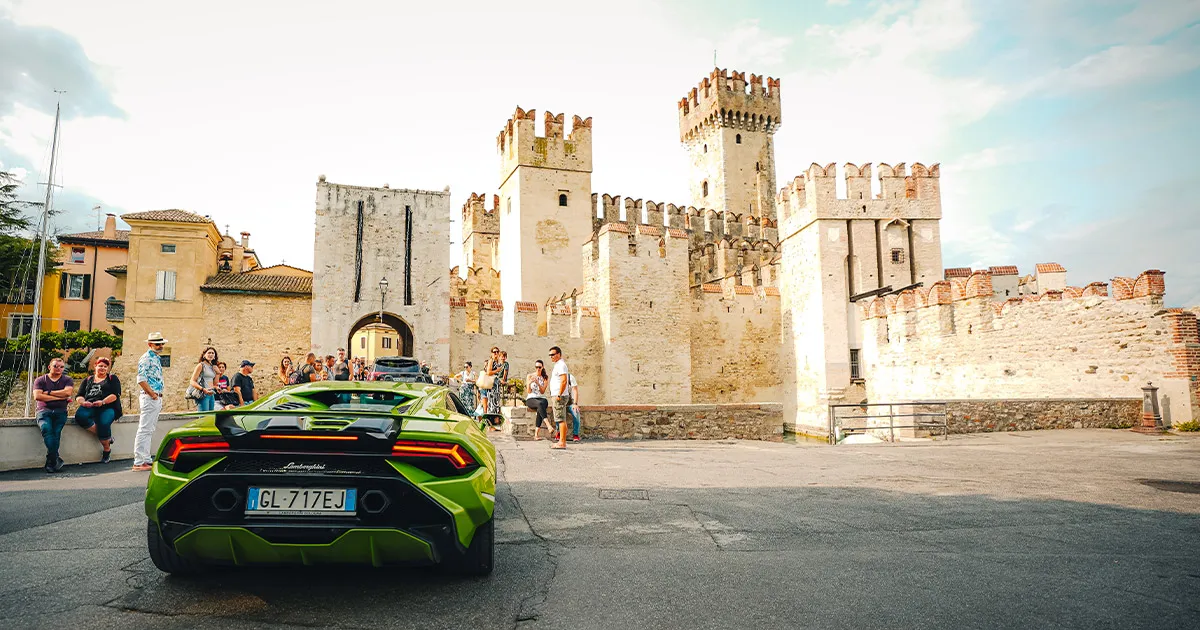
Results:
<point x="545" y="205"/>
<point x="728" y="133"/>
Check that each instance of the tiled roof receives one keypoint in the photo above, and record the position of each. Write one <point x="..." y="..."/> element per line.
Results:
<point x="116" y="269"/>
<point x="178" y="216"/>
<point x="121" y="236"/>
<point x="1050" y="268"/>
<point x="1004" y="270"/>
<point x="958" y="272"/>
<point x="257" y="283"/>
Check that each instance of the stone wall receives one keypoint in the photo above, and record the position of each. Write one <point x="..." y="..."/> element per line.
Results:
<point x="749" y="421"/>
<point x="735" y="346"/>
<point x="976" y="416"/>
<point x="952" y="342"/>
<point x="260" y="328"/>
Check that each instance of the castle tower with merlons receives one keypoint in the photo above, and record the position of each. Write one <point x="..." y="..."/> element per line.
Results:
<point x="727" y="125"/>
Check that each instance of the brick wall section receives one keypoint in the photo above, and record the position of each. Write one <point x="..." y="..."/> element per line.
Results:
<point x="750" y="421"/>
<point x="976" y="416"/>
<point x="1185" y="354"/>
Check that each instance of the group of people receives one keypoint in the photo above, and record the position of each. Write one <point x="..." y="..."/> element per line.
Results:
<point x="549" y="395"/>
<point x="98" y="401"/>
<point x="328" y="368"/>
<point x="211" y="388"/>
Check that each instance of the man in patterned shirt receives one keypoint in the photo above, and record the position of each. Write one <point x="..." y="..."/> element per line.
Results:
<point x="150" y="379"/>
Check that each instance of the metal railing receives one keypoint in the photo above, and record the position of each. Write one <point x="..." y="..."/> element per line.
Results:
<point x="868" y="419"/>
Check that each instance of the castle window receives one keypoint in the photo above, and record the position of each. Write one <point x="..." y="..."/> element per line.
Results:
<point x="855" y="366"/>
<point x="562" y="199"/>
<point x="704" y="189"/>
<point x="758" y="167"/>
<point x="706" y="148"/>
<point x="738" y="139"/>
<point x="897" y="255"/>
<point x="508" y="205"/>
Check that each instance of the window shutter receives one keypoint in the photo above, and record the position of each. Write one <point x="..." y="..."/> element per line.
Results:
<point x="64" y="279"/>
<point x="87" y="286"/>
<point x="170" y="285"/>
<point x="159" y="284"/>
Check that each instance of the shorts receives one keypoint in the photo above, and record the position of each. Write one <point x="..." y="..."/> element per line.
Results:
<point x="560" y="408"/>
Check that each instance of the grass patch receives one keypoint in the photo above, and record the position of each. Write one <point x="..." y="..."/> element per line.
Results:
<point x="1188" y="427"/>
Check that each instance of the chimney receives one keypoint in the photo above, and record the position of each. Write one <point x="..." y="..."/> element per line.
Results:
<point x="245" y="240"/>
<point x="110" y="226"/>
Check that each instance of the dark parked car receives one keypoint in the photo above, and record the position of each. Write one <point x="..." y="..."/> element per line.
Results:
<point x="399" y="369"/>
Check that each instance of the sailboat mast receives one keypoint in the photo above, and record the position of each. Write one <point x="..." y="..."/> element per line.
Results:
<point x="35" y="333"/>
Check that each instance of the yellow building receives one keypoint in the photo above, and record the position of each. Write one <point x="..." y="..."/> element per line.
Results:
<point x="200" y="288"/>
<point x="89" y="295"/>
<point x="375" y="340"/>
<point x="16" y="309"/>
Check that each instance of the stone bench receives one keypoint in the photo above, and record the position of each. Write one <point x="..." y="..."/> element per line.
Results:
<point x="21" y="443"/>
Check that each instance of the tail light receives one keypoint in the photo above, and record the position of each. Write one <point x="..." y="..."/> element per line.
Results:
<point x="203" y="443"/>
<point x="452" y="453"/>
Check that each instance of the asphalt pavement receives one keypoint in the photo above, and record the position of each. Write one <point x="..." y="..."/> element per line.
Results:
<point x="1053" y="529"/>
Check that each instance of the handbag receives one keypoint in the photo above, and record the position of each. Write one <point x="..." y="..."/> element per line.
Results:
<point x="485" y="381"/>
<point x="192" y="393"/>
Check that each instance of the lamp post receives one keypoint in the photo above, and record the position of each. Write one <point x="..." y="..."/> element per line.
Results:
<point x="383" y="284"/>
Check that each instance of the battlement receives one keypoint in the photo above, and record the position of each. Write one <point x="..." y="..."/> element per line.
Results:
<point x="699" y="224"/>
<point x="1149" y="285"/>
<point x="519" y="145"/>
<point x="814" y="193"/>
<point x="477" y="217"/>
<point x="725" y="99"/>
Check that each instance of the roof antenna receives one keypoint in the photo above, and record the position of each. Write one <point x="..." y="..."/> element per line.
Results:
<point x="97" y="209"/>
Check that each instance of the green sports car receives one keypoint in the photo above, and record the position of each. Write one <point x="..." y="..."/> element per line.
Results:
<point x="374" y="473"/>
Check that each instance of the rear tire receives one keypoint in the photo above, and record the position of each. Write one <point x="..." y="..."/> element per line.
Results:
<point x="481" y="555"/>
<point x="164" y="556"/>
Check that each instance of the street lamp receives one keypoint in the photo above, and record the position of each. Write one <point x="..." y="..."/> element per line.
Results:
<point x="383" y="284"/>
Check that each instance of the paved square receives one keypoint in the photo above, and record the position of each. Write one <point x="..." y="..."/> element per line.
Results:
<point x="1045" y="529"/>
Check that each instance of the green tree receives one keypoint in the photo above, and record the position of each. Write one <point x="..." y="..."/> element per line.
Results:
<point x="18" y="254"/>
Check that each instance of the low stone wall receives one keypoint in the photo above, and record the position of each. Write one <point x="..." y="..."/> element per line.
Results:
<point x="975" y="416"/>
<point x="21" y="443"/>
<point x="746" y="421"/>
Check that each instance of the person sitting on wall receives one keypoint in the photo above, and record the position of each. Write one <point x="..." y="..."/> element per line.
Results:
<point x="52" y="391"/>
<point x="99" y="403"/>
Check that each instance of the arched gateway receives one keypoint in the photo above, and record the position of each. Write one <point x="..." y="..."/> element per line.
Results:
<point x="365" y="236"/>
<point x="404" y="334"/>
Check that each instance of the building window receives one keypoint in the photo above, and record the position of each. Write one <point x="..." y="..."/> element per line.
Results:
<point x="75" y="286"/>
<point x="855" y="368"/>
<point x="362" y="342"/>
<point x="168" y="248"/>
<point x="165" y="359"/>
<point x="738" y="139"/>
<point x="897" y="255"/>
<point x="19" y="325"/>
<point x="71" y="325"/>
<point x="77" y="255"/>
<point x="704" y="189"/>
<point x="386" y="343"/>
<point x="164" y="285"/>
<point x="562" y="199"/>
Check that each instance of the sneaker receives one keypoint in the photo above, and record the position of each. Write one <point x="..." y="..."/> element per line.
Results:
<point x="50" y="469"/>
<point x="59" y="465"/>
<point x="141" y="467"/>
<point x="105" y="457"/>
<point x="575" y="439"/>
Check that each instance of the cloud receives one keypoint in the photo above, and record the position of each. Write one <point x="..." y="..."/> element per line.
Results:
<point x="984" y="159"/>
<point x="1126" y="64"/>
<point x="748" y="46"/>
<point x="36" y="60"/>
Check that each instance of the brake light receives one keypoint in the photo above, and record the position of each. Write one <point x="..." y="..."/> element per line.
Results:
<point x="208" y="444"/>
<point x="453" y="453"/>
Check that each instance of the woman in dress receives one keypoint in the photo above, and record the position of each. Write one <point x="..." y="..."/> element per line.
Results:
<point x="535" y="397"/>
<point x="467" y="392"/>
<point x="99" y="403"/>
<point x="202" y="379"/>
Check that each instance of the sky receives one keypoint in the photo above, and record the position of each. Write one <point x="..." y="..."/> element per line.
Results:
<point x="1063" y="126"/>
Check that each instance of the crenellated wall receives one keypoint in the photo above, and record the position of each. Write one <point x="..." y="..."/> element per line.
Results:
<point x="951" y="341"/>
<point x="735" y="344"/>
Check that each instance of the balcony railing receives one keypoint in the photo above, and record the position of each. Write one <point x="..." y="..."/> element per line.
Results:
<point x="114" y="310"/>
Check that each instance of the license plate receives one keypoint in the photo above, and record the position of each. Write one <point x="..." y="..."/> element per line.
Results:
<point x="301" y="501"/>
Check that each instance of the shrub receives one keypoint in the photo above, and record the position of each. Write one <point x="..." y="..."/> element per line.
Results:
<point x="77" y="361"/>
<point x="1188" y="427"/>
<point x="8" y="381"/>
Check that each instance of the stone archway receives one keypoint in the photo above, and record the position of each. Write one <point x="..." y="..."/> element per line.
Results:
<point x="391" y="320"/>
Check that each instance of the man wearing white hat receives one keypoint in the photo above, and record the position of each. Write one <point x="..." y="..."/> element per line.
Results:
<point x="150" y="379"/>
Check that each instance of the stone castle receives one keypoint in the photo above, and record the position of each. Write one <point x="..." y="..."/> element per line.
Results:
<point x="747" y="293"/>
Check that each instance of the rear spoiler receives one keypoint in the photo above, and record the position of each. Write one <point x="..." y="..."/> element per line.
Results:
<point x="383" y="424"/>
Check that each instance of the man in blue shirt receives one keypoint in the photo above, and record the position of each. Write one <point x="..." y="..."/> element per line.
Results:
<point x="150" y="379"/>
